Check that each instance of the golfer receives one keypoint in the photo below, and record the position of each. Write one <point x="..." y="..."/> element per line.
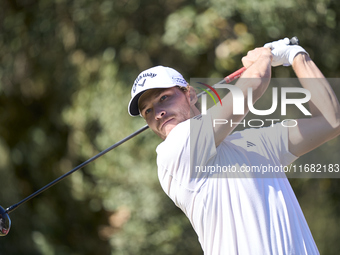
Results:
<point x="244" y="215"/>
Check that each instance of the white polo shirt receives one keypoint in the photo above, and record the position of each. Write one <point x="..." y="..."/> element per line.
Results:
<point x="238" y="212"/>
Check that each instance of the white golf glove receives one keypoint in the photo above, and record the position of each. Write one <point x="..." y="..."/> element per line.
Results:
<point x="283" y="52"/>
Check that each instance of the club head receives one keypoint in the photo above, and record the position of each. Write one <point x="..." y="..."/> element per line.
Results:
<point x="5" y="222"/>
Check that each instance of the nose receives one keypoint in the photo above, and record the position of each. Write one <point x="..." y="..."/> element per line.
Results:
<point x="159" y="113"/>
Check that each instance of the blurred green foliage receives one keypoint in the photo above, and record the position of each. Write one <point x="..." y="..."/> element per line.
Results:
<point x="66" y="68"/>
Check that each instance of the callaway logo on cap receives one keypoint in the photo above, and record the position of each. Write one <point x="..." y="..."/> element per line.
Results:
<point x="155" y="77"/>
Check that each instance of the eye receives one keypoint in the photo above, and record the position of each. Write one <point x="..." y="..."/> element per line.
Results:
<point x="147" y="111"/>
<point x="163" y="97"/>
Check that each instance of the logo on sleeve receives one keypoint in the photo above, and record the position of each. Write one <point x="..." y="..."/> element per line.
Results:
<point x="250" y="144"/>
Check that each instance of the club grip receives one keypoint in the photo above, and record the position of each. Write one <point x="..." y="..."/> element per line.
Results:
<point x="234" y="75"/>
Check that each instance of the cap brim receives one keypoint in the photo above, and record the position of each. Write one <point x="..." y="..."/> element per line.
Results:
<point x="133" y="104"/>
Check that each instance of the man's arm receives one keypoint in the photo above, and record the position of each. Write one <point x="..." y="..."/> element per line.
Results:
<point x="324" y="106"/>
<point x="257" y="76"/>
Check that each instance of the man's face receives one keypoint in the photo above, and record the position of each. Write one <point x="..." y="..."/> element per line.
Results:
<point x="163" y="109"/>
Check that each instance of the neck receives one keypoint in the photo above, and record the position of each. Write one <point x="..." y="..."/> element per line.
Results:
<point x="194" y="111"/>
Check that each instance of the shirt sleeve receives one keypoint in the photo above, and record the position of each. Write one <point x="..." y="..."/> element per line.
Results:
<point x="202" y="140"/>
<point x="286" y="156"/>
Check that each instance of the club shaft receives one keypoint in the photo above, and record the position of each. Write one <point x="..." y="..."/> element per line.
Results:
<point x="15" y="206"/>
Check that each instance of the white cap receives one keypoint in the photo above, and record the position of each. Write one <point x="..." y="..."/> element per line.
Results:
<point x="155" y="77"/>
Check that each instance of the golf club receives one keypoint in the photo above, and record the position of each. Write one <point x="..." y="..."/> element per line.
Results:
<point x="5" y="221"/>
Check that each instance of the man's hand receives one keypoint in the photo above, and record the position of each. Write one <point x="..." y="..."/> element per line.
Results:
<point x="254" y="55"/>
<point x="283" y="52"/>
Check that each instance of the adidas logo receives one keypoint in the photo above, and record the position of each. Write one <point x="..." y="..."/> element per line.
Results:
<point x="198" y="117"/>
<point x="249" y="144"/>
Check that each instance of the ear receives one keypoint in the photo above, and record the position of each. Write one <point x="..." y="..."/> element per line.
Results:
<point x="192" y="95"/>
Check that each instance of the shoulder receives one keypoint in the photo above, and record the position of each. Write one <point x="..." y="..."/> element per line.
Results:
<point x="181" y="133"/>
<point x="176" y="138"/>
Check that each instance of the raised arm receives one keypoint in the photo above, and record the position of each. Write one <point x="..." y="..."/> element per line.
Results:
<point x="324" y="124"/>
<point x="324" y="106"/>
<point x="257" y="76"/>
